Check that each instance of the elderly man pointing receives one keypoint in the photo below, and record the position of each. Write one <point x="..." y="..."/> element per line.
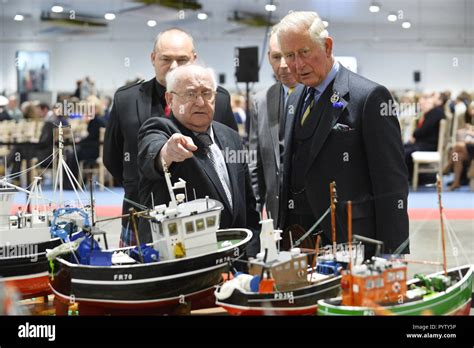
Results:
<point x="191" y="145"/>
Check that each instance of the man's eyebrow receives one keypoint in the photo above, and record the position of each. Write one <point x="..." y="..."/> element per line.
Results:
<point x="175" y="57"/>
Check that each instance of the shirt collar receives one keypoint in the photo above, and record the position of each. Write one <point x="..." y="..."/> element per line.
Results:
<point x="160" y="89"/>
<point x="330" y="76"/>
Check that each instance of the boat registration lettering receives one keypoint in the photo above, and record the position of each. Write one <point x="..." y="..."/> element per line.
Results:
<point x="223" y="260"/>
<point x="123" y="277"/>
<point x="284" y="296"/>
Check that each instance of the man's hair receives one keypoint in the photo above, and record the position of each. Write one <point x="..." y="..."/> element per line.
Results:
<point x="304" y="20"/>
<point x="175" y="75"/>
<point x="273" y="31"/>
<point x="158" y="37"/>
<point x="44" y="106"/>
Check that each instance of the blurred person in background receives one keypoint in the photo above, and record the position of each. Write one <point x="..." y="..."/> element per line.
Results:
<point x="425" y="136"/>
<point x="4" y="116"/>
<point x="88" y="147"/>
<point x="13" y="109"/>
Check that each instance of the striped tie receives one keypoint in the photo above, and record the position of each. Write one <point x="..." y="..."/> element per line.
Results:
<point x="219" y="166"/>
<point x="308" y="103"/>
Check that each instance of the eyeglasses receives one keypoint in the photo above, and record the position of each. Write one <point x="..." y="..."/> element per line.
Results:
<point x="191" y="95"/>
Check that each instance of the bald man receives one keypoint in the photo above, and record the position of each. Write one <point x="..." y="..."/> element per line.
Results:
<point x="135" y="104"/>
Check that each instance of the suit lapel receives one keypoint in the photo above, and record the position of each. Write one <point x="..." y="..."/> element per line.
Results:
<point x="144" y="101"/>
<point x="295" y="103"/>
<point x="274" y="110"/>
<point x="224" y="143"/>
<point x="331" y="114"/>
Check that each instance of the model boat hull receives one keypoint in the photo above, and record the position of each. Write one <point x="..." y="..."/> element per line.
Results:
<point x="27" y="273"/>
<point x="150" y="285"/>
<point x="455" y="301"/>
<point x="301" y="301"/>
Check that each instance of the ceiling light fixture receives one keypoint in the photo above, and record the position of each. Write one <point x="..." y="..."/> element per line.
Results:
<point x="392" y="17"/>
<point x="270" y="7"/>
<point x="57" y="9"/>
<point x="202" y="16"/>
<point x="18" y="17"/>
<point x="109" y="16"/>
<point x="406" y="25"/>
<point x="151" y="23"/>
<point x="374" y="8"/>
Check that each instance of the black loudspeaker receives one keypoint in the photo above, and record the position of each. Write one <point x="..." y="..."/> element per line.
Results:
<point x="246" y="64"/>
<point x="222" y="79"/>
<point x="417" y="76"/>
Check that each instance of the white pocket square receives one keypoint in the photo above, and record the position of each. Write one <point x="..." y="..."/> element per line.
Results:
<point x="342" y="127"/>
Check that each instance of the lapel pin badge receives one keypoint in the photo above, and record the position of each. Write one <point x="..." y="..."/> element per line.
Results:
<point x="335" y="101"/>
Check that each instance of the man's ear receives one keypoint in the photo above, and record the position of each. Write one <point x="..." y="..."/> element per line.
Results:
<point x="152" y="58"/>
<point x="328" y="46"/>
<point x="169" y="98"/>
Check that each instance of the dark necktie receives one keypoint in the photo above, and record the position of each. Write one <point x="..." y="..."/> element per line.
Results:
<point x="218" y="167"/>
<point x="308" y="104"/>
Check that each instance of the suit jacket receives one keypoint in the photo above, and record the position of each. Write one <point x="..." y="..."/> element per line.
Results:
<point x="429" y="131"/>
<point x="199" y="174"/>
<point x="264" y="140"/>
<point x="366" y="160"/>
<point x="131" y="108"/>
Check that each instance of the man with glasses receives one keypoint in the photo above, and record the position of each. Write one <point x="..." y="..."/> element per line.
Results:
<point x="192" y="147"/>
<point x="341" y="132"/>
<point x="135" y="104"/>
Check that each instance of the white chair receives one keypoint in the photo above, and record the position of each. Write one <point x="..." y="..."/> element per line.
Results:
<point x="429" y="161"/>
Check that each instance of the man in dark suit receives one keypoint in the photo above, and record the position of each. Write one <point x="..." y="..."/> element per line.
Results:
<point x="135" y="104"/>
<point x="192" y="146"/>
<point x="267" y="129"/>
<point x="340" y="134"/>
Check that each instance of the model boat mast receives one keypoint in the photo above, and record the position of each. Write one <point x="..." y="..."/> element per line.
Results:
<point x="333" y="194"/>
<point x="441" y="219"/>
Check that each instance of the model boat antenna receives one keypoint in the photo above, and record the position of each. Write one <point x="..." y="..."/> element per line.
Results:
<point x="92" y="201"/>
<point x="441" y="219"/>
<point x="316" y="252"/>
<point x="349" y="232"/>
<point x="333" y="193"/>
<point x="135" y="231"/>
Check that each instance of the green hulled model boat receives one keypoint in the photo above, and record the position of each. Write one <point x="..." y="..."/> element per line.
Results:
<point x="380" y="287"/>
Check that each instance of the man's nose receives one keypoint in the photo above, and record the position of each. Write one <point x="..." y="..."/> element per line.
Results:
<point x="174" y="64"/>
<point x="199" y="100"/>
<point x="283" y="64"/>
<point x="299" y="63"/>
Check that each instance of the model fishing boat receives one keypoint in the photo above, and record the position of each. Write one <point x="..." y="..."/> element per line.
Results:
<point x="183" y="263"/>
<point x="25" y="236"/>
<point x="287" y="282"/>
<point x="380" y="287"/>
